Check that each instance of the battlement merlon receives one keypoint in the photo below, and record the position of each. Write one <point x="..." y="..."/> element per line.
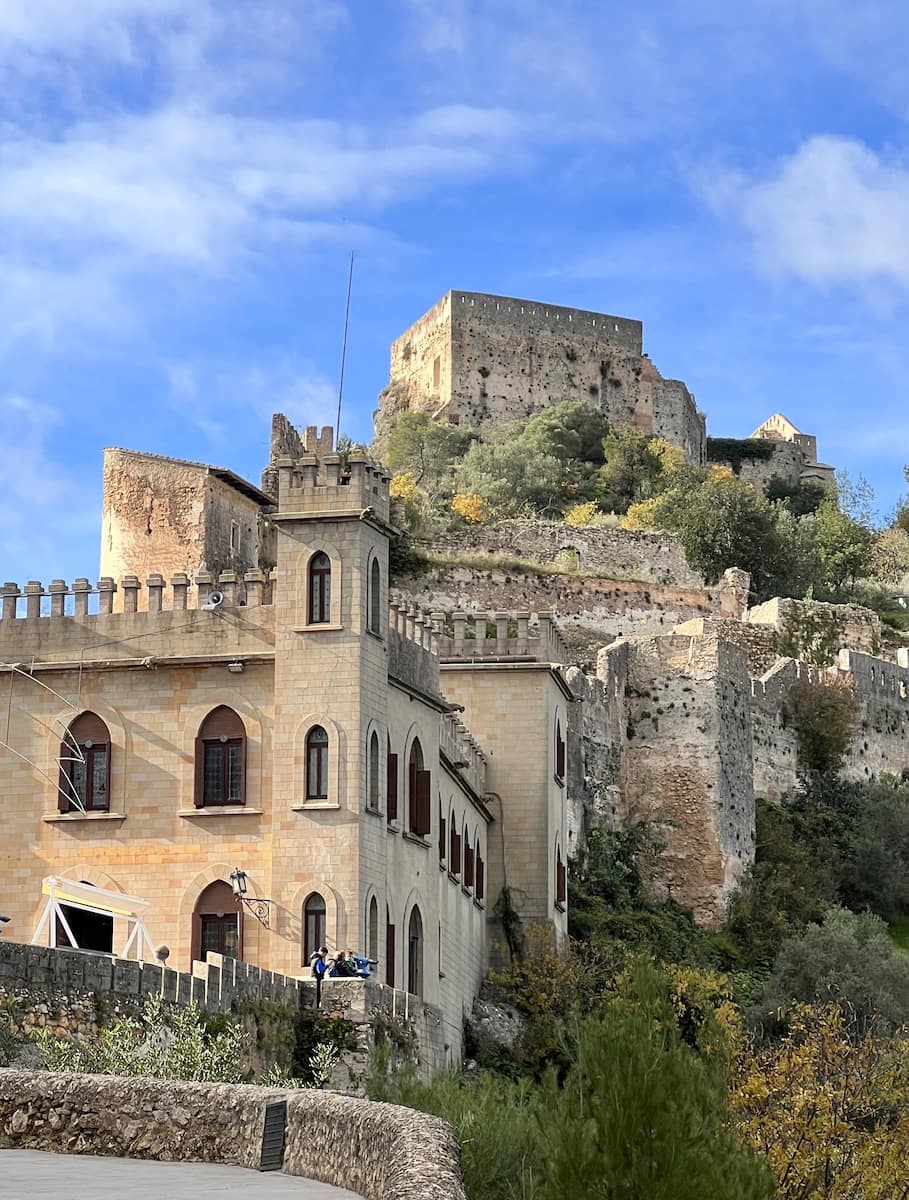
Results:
<point x="320" y="483"/>
<point x="529" y="315"/>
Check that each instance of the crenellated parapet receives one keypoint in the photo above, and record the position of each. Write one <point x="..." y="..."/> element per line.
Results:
<point x="499" y="636"/>
<point x="462" y="750"/>
<point x="34" y="601"/>
<point x="320" y="482"/>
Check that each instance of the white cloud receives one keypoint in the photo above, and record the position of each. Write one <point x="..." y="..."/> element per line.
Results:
<point x="41" y="499"/>
<point x="217" y="395"/>
<point x="835" y="212"/>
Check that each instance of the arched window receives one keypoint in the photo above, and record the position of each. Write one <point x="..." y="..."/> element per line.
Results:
<point x="372" y="929"/>
<point x="85" y="766"/>
<point x="319" y="589"/>
<point x="468" y="859"/>
<point x="389" y="949"/>
<point x="559" y="753"/>
<point x="372" y="783"/>
<point x="418" y="792"/>
<point x="317" y="764"/>
<point x="313" y="925"/>
<point x="454" y="851"/>
<point x="443" y="847"/>
<point x="415" y="953"/>
<point x="375" y="597"/>
<point x="216" y="922"/>
<point x="391" y="786"/>
<point x="220" y="760"/>
<point x="560" y="882"/>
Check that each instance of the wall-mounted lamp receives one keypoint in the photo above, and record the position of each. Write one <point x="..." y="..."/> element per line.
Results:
<point x="236" y="667"/>
<point x="260" y="909"/>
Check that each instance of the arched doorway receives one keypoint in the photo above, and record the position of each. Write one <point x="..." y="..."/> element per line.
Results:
<point x="216" y="922"/>
<point x="91" y="930"/>
<point x="415" y="953"/>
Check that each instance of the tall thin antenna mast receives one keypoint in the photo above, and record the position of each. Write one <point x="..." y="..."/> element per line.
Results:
<point x="344" y="349"/>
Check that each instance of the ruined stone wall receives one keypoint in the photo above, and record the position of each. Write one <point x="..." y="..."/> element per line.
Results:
<point x="613" y="553"/>
<point x="161" y="514"/>
<point x="786" y="463"/>
<point x="591" y="611"/>
<point x="856" y="628"/>
<point x="476" y="357"/>
<point x="759" y="643"/>
<point x="381" y="1151"/>
<point x="881" y="742"/>
<point x="685" y="761"/>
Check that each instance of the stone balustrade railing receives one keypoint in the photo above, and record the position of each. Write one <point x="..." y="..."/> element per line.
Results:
<point x="154" y="595"/>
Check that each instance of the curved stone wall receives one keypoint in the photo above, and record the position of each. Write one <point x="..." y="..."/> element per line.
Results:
<point x="379" y="1150"/>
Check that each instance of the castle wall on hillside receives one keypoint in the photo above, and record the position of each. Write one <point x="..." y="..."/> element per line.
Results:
<point x="784" y="461"/>
<point x="686" y="763"/>
<point x="476" y="357"/>
<point x="591" y="611"/>
<point x="614" y="553"/>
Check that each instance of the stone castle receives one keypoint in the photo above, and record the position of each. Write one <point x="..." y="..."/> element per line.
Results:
<point x="243" y="700"/>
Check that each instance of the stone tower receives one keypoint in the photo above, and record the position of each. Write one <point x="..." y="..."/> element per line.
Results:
<point x="476" y="357"/>
<point x="331" y="600"/>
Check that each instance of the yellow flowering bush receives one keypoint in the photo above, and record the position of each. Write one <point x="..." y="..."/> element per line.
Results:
<point x="403" y="486"/>
<point x="470" y="507"/>
<point x="643" y="514"/>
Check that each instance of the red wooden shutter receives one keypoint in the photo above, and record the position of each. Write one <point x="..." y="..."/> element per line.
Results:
<point x="468" y="867"/>
<point x="441" y="838"/>
<point x="390" y="955"/>
<point x="391" y="787"/>
<point x="64" y="787"/>
<point x="453" y="852"/>
<point x="560" y="881"/>
<point x="560" y="757"/>
<point x="199" y="774"/>
<point x="423" y="813"/>
<point x="481" y="879"/>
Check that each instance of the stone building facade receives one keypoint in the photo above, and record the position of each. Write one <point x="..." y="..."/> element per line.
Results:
<point x="302" y="729"/>
<point x="475" y="357"/>
<point x="168" y="515"/>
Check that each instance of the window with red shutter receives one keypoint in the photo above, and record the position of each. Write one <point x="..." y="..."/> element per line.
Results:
<point x="391" y="785"/>
<point x="480" y="889"/>
<point x="424" y="804"/>
<point x="468" y="866"/>
<point x="442" y="839"/>
<point x="559" y="753"/>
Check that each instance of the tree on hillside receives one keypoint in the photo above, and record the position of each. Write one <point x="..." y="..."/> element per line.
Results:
<point x="637" y="467"/>
<point x="572" y="432"/>
<point x="511" y="476"/>
<point x="845" y="546"/>
<point x="849" y="960"/>
<point x="423" y="448"/>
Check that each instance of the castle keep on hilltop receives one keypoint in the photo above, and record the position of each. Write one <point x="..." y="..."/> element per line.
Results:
<point x="475" y="357"/>
<point x="377" y="773"/>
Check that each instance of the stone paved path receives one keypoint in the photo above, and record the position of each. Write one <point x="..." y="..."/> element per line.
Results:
<point x="34" y="1175"/>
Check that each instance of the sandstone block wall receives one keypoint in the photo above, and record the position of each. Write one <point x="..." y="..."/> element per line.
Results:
<point x="381" y="1151"/>
<point x="786" y="462"/>
<point x="476" y="357"/>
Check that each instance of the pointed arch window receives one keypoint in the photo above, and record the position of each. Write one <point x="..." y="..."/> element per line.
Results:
<point x="317" y="764"/>
<point x="375" y="597"/>
<point x="415" y="953"/>
<point x="559" y="753"/>
<point x="313" y="925"/>
<point x="319" y="589"/>
<point x="389" y="949"/>
<point x="372" y="768"/>
<point x="220" y="777"/>
<point x="418" y="792"/>
<point x="391" y="786"/>
<point x="560" y="880"/>
<point x="372" y="929"/>
<point x="85" y="766"/>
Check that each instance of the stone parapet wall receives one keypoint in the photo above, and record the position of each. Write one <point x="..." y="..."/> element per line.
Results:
<point x="381" y="1151"/>
<point x="857" y="628"/>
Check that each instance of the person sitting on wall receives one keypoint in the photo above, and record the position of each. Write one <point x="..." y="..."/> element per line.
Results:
<point x="318" y="962"/>
<point x="344" y="966"/>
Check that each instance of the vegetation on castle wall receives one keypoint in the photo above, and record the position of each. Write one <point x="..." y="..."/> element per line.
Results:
<point x="736" y="451"/>
<point x="824" y="717"/>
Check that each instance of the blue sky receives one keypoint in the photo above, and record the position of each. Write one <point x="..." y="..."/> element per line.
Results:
<point x="181" y="182"/>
